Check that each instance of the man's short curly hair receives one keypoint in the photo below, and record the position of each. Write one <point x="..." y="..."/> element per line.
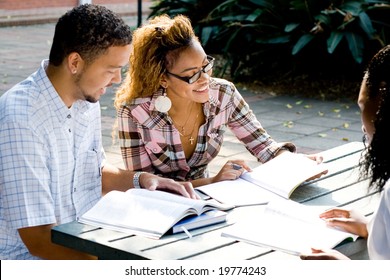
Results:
<point x="88" y="30"/>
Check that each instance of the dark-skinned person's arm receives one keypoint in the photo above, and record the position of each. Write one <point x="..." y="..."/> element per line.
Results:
<point x="347" y="220"/>
<point x="318" y="254"/>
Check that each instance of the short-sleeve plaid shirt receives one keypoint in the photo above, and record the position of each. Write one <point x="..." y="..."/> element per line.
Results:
<point x="51" y="156"/>
<point x="150" y="142"/>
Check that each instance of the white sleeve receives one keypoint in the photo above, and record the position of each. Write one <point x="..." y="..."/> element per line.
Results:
<point x="378" y="243"/>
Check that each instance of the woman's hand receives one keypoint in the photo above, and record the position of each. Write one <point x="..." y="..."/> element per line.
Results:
<point x="346" y="220"/>
<point x="316" y="157"/>
<point x="231" y="171"/>
<point x="324" y="255"/>
<point x="319" y="159"/>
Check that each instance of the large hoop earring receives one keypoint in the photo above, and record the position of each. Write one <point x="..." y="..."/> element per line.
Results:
<point x="163" y="104"/>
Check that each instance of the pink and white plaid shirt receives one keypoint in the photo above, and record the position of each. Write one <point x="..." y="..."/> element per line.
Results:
<point x="150" y="142"/>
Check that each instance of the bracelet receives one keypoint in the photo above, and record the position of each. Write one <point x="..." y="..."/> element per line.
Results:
<point x="136" y="179"/>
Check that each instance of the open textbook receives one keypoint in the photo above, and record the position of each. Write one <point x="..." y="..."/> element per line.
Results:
<point x="149" y="213"/>
<point x="278" y="177"/>
<point x="205" y="219"/>
<point x="290" y="227"/>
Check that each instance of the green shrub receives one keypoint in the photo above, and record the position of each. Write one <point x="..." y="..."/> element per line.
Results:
<point x="256" y="37"/>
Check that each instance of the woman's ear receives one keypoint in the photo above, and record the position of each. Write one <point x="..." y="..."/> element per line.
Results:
<point x="163" y="82"/>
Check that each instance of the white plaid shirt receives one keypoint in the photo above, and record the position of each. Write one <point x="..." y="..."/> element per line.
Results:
<point x="50" y="160"/>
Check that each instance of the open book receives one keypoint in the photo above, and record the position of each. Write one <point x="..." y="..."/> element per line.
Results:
<point x="144" y="212"/>
<point x="205" y="219"/>
<point x="290" y="227"/>
<point x="278" y="177"/>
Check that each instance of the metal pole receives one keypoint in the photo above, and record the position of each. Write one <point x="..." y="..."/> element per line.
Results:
<point x="139" y="13"/>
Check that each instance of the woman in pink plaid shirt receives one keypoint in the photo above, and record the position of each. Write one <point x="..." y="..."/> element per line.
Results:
<point x="172" y="115"/>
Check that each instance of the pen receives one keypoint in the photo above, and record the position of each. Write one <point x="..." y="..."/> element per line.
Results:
<point x="236" y="166"/>
<point x="186" y="232"/>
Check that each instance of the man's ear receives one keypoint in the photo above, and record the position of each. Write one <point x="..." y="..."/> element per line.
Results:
<point x="75" y="62"/>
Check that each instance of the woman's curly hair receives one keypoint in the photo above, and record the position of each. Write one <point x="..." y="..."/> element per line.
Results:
<point x="375" y="162"/>
<point x="155" y="46"/>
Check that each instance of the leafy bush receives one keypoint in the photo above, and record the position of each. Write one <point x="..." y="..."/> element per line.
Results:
<point x="256" y="37"/>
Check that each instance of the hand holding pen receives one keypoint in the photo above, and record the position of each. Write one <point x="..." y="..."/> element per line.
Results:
<point x="232" y="170"/>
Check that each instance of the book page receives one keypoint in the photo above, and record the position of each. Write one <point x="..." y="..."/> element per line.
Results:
<point x="205" y="219"/>
<point x="284" y="173"/>
<point x="279" y="230"/>
<point x="293" y="210"/>
<point x="198" y="205"/>
<point x="238" y="193"/>
<point x="135" y="214"/>
<point x="277" y="178"/>
<point x="143" y="212"/>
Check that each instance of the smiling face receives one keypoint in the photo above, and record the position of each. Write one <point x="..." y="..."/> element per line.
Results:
<point x="188" y="62"/>
<point x="91" y="81"/>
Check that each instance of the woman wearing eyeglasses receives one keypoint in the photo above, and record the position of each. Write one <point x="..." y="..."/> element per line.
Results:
<point x="172" y="114"/>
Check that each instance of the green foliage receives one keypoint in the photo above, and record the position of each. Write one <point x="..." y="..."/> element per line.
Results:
<point x="256" y="36"/>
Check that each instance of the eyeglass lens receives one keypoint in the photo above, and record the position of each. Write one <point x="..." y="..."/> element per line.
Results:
<point x="205" y="69"/>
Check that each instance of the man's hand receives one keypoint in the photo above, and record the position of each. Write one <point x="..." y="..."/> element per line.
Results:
<point x="152" y="182"/>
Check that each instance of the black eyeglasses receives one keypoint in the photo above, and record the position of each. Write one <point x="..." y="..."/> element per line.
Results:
<point x="197" y="75"/>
